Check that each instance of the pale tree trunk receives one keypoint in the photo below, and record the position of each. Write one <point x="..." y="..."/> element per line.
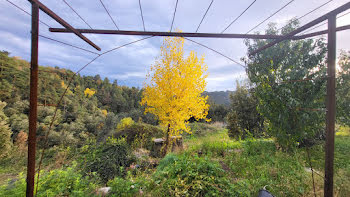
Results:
<point x="166" y="144"/>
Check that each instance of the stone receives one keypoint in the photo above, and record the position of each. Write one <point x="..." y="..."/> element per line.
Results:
<point x="103" y="191"/>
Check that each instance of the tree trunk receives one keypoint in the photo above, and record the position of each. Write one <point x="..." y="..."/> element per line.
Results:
<point x="166" y="144"/>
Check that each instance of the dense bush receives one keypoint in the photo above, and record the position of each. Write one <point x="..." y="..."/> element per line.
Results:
<point x="139" y="135"/>
<point x="244" y="119"/>
<point x="187" y="175"/>
<point x="59" y="182"/>
<point x="107" y="159"/>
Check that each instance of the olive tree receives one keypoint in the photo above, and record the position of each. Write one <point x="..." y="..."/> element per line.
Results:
<point x="289" y="80"/>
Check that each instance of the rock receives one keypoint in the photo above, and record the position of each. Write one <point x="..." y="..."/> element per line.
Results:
<point x="157" y="147"/>
<point x="103" y="191"/>
<point x="159" y="141"/>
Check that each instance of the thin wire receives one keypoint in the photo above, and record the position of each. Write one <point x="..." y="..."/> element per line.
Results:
<point x="311" y="11"/>
<point x="60" y="101"/>
<point x="238" y="16"/>
<point x="109" y="15"/>
<point x="270" y="16"/>
<point x="324" y="23"/>
<point x="216" y="52"/>
<point x="26" y="12"/>
<point x="126" y="44"/>
<point x="204" y="15"/>
<point x="76" y="13"/>
<point x="68" y="44"/>
<point x="314" y="9"/>
<point x="143" y="22"/>
<point x="172" y="23"/>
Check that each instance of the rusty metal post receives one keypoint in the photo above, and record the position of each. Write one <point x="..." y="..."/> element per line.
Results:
<point x="330" y="105"/>
<point x="33" y="101"/>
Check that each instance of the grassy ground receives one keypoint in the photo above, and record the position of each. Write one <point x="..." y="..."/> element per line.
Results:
<point x="211" y="164"/>
<point x="253" y="164"/>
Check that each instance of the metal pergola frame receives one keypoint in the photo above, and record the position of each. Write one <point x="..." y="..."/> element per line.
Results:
<point x="331" y="64"/>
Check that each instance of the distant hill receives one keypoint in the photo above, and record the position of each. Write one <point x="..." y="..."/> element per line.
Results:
<point x="220" y="97"/>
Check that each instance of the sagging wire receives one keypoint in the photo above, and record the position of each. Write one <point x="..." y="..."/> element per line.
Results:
<point x="52" y="39"/>
<point x="205" y="46"/>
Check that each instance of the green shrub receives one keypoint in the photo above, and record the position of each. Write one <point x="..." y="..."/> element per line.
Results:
<point x="187" y="175"/>
<point x="106" y="160"/>
<point x="59" y="182"/>
<point x="140" y="135"/>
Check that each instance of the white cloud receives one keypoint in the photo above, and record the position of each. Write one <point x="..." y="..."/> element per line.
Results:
<point x="129" y="64"/>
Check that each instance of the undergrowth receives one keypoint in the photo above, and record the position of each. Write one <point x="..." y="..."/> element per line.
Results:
<point x="211" y="164"/>
<point x="58" y="182"/>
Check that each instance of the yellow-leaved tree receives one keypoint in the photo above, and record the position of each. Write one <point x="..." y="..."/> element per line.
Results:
<point x="89" y="92"/>
<point x="173" y="88"/>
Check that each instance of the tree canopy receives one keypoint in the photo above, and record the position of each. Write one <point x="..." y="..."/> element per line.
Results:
<point x="173" y="89"/>
<point x="289" y="80"/>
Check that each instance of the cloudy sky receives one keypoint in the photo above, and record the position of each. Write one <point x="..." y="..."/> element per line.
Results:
<point x="129" y="65"/>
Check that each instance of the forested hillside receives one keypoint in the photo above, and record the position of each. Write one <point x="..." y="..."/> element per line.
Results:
<point x="220" y="97"/>
<point x="92" y="106"/>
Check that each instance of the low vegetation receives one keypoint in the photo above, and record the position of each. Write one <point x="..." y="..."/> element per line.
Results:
<point x="212" y="164"/>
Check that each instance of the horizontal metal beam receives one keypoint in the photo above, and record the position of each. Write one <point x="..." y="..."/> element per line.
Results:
<point x="200" y="35"/>
<point x="304" y="27"/>
<point x="173" y="34"/>
<point x="64" y="23"/>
